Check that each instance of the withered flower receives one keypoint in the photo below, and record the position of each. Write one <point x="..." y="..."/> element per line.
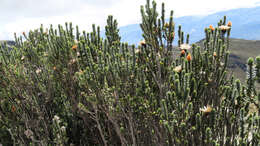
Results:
<point x="185" y="47"/>
<point x="177" y="69"/>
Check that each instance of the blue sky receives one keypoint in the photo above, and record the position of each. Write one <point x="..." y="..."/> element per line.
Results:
<point x="22" y="15"/>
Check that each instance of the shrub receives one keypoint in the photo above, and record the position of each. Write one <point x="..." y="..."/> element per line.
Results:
<point x="61" y="87"/>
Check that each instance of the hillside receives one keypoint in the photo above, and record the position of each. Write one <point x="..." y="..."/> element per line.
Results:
<point x="241" y="50"/>
<point x="244" y="20"/>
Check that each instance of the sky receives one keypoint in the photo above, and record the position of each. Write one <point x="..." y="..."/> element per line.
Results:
<point x="23" y="15"/>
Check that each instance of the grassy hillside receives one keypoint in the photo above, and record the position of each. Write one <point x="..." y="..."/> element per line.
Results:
<point x="241" y="50"/>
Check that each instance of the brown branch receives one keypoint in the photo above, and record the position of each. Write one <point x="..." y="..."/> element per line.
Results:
<point x="99" y="127"/>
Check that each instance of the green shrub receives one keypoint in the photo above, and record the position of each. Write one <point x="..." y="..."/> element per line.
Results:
<point x="61" y="87"/>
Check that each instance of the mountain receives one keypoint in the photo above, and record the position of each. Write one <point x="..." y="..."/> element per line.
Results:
<point x="9" y="43"/>
<point x="245" y="25"/>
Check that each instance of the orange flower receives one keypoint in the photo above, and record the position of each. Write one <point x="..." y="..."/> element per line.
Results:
<point x="229" y="23"/>
<point x="211" y="27"/>
<point x="182" y="52"/>
<point x="13" y="108"/>
<point x="215" y="54"/>
<point x="74" y="47"/>
<point x="189" y="57"/>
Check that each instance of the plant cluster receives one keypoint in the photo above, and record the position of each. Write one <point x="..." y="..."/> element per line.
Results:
<point x="66" y="87"/>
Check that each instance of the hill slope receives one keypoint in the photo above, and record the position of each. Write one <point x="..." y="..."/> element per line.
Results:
<point x="241" y="50"/>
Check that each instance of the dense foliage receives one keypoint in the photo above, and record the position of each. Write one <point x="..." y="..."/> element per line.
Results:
<point x="65" y="87"/>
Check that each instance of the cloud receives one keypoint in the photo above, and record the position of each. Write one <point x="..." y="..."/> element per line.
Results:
<point x="23" y="15"/>
<point x="101" y="2"/>
<point x="38" y="8"/>
<point x="44" y="8"/>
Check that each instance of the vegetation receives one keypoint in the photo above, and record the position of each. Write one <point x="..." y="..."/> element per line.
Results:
<point x="64" y="87"/>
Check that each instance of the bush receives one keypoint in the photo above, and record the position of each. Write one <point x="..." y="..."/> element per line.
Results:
<point x="61" y="87"/>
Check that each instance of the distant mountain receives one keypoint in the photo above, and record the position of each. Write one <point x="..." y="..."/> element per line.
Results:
<point x="8" y="42"/>
<point x="245" y="25"/>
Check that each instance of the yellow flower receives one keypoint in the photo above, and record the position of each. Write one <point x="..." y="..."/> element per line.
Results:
<point x="206" y="109"/>
<point x="177" y="68"/>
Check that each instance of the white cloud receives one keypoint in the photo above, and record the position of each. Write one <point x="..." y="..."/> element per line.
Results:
<point x="22" y="15"/>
